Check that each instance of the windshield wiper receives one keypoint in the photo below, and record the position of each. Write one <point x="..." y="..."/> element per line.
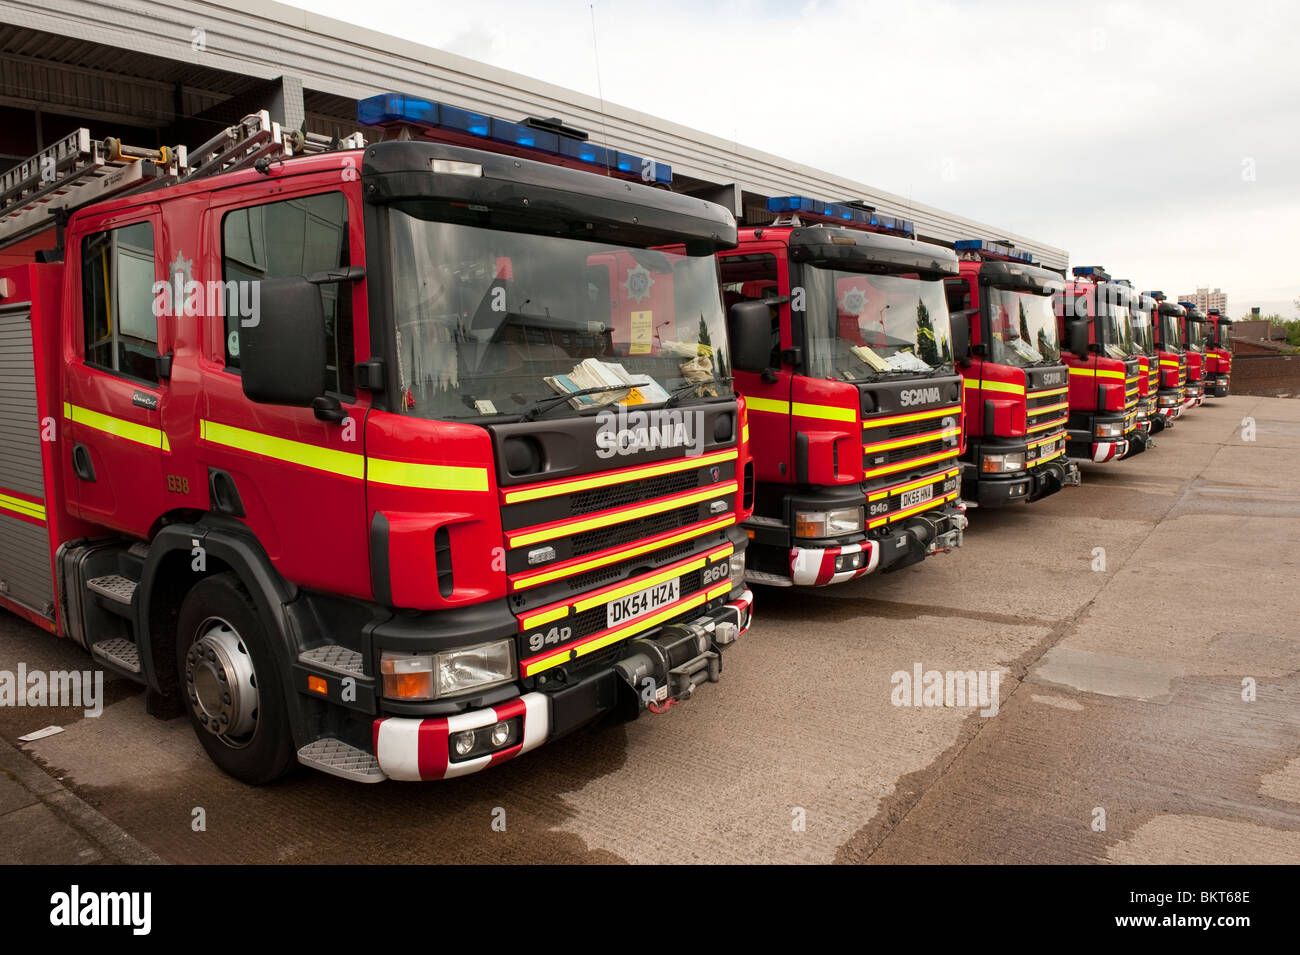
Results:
<point x="543" y="405"/>
<point x="679" y="393"/>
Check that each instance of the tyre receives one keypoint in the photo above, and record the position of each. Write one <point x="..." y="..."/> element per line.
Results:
<point x="230" y="682"/>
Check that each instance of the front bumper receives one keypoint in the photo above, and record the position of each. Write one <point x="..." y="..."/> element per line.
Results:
<point x="1003" y="490"/>
<point x="420" y="749"/>
<point x="821" y="566"/>
<point x="1218" y="387"/>
<point x="1170" y="414"/>
<point x="933" y="532"/>
<point x="1112" y="450"/>
<point x="1139" y="439"/>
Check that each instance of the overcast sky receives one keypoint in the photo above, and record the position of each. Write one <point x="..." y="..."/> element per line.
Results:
<point x="1161" y="140"/>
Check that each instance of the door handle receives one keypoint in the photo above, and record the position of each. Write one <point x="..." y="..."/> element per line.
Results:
<point x="81" y="465"/>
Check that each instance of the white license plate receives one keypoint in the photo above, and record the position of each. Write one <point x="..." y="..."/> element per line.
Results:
<point x="909" y="498"/>
<point x="642" y="602"/>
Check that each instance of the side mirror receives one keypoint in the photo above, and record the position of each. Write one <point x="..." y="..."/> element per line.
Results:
<point x="1077" y="338"/>
<point x="749" y="330"/>
<point x="959" y="326"/>
<point x="282" y="353"/>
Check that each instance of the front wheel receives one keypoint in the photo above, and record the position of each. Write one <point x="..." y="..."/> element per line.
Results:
<point x="231" y="683"/>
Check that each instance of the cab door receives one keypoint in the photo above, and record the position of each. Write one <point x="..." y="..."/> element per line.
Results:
<point x="760" y="273"/>
<point x="295" y="479"/>
<point x="113" y="387"/>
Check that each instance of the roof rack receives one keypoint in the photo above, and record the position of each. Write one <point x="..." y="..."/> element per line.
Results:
<point x="78" y="170"/>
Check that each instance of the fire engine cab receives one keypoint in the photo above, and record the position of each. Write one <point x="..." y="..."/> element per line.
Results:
<point x="1218" y="353"/>
<point x="1096" y="329"/>
<point x="1015" y="387"/>
<point x="1193" y="337"/>
<point x="396" y="460"/>
<point x="1144" y="315"/>
<point x="1167" y="326"/>
<point x="840" y="318"/>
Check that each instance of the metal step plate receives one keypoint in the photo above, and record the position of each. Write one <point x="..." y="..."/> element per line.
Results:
<point x="767" y="580"/>
<point x="115" y="587"/>
<point x="334" y="657"/>
<point x="119" y="652"/>
<point x="338" y="758"/>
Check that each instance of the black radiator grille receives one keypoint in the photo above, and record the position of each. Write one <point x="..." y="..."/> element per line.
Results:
<point x="632" y="492"/>
<point x="604" y="575"/>
<point x="907" y="453"/>
<point x="628" y="531"/>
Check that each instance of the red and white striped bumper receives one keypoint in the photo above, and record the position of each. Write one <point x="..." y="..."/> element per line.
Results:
<point x="419" y="749"/>
<point x="415" y="749"/>
<point x="1109" y="450"/>
<point x="815" y="566"/>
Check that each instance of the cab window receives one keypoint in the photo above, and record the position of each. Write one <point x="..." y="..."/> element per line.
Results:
<point x="750" y="278"/>
<point x="281" y="239"/>
<point x="117" y="301"/>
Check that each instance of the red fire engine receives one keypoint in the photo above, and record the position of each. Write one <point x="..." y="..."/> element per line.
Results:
<point x="1193" y="336"/>
<point x="1144" y="339"/>
<point x="1218" y="353"/>
<point x="1096" y="331"/>
<point x="840" y="316"/>
<point x="1015" y="386"/>
<point x="1167" y="325"/>
<point x="397" y="459"/>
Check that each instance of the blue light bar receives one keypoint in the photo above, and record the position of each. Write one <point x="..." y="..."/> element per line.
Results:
<point x="396" y="108"/>
<point x="840" y="212"/>
<point x="1091" y="271"/>
<point x="986" y="247"/>
<point x="387" y="109"/>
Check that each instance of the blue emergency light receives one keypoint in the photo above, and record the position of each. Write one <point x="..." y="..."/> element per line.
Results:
<point x="388" y="109"/>
<point x="861" y="218"/>
<point x="1095" y="272"/>
<point x="987" y="247"/>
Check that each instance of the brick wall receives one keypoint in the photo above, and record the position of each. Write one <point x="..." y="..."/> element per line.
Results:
<point x="1269" y="375"/>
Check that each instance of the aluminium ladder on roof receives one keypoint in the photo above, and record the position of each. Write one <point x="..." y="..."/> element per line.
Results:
<point x="78" y="170"/>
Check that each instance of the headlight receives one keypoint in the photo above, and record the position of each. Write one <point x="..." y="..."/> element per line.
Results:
<point x="737" y="569"/>
<point x="1002" y="463"/>
<point x="1168" y="401"/>
<point x="1109" y="429"/>
<point x="429" y="676"/>
<point x="835" y="523"/>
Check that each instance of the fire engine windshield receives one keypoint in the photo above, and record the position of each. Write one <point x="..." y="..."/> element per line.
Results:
<point x="1170" y="334"/>
<point x="493" y="322"/>
<point x="865" y="326"/>
<point x="1023" y="328"/>
<point x="1143" y="340"/>
<point x="1195" y="336"/>
<point x="1117" y="325"/>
